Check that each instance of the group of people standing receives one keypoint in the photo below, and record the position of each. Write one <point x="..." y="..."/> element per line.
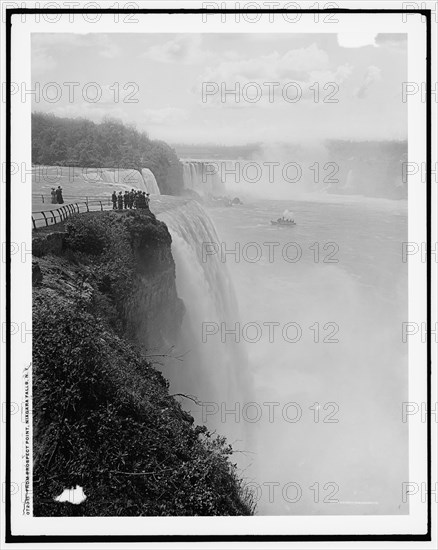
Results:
<point x="130" y="199"/>
<point x="56" y="195"/>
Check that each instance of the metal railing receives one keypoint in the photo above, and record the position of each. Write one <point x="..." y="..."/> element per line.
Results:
<point x="47" y="199"/>
<point x="45" y="218"/>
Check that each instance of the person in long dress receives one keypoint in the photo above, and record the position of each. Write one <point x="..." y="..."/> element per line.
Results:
<point x="59" y="198"/>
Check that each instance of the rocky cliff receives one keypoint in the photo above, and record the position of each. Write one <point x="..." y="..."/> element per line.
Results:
<point x="104" y="295"/>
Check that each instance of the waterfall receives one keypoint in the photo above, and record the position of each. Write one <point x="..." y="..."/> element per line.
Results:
<point x="150" y="182"/>
<point x="130" y="179"/>
<point x="126" y="178"/>
<point x="194" y="176"/>
<point x="202" y="177"/>
<point x="79" y="182"/>
<point x="212" y="370"/>
<point x="107" y="175"/>
<point x="349" y="180"/>
<point x="187" y="176"/>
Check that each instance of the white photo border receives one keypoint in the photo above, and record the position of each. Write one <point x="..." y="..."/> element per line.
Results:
<point x="413" y="526"/>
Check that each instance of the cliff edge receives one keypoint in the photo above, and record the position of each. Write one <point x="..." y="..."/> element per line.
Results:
<point x="104" y="294"/>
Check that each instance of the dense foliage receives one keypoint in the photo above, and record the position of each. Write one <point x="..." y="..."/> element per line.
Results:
<point x="103" y="416"/>
<point x="104" y="421"/>
<point x="111" y="144"/>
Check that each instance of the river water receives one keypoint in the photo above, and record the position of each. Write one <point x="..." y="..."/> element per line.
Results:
<point x="321" y="306"/>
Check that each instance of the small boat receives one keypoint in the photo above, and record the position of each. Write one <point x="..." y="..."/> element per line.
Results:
<point x="281" y="221"/>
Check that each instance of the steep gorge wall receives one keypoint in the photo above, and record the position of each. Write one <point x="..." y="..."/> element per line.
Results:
<point x="104" y="293"/>
<point x="136" y="272"/>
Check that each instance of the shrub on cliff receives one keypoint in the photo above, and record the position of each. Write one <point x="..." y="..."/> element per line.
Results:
<point x="85" y="235"/>
<point x="120" y="245"/>
<point x="103" y="420"/>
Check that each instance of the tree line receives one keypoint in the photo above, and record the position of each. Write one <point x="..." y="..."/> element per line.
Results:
<point x="80" y="142"/>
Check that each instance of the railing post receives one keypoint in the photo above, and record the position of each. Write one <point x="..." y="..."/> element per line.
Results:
<point x="101" y="206"/>
<point x="42" y="198"/>
<point x="53" y="218"/>
<point x="45" y="219"/>
<point x="33" y="221"/>
<point x="77" y="206"/>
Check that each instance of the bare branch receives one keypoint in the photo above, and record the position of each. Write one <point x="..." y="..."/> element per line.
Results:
<point x="141" y="473"/>
<point x="191" y="397"/>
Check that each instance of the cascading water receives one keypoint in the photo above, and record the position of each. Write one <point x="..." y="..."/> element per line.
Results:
<point x="126" y="178"/>
<point x="213" y="369"/>
<point x="202" y="177"/>
<point x="194" y="175"/>
<point x="349" y="185"/>
<point x="187" y="176"/>
<point x="150" y="182"/>
<point x="80" y="182"/>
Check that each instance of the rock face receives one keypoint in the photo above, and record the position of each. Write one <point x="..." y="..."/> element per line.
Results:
<point x="153" y="311"/>
<point x="121" y="258"/>
<point x="103" y="418"/>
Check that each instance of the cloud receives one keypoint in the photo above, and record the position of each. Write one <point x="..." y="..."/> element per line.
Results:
<point x="271" y="74"/>
<point x="55" y="40"/>
<point x="293" y="63"/>
<point x="184" y="48"/>
<point x="392" y="40"/>
<point x="42" y="62"/>
<point x="356" y="40"/>
<point x="105" y="46"/>
<point x="372" y="75"/>
<point x="44" y="45"/>
<point x="167" y="115"/>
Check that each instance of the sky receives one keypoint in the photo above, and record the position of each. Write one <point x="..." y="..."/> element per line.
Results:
<point x="287" y="87"/>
